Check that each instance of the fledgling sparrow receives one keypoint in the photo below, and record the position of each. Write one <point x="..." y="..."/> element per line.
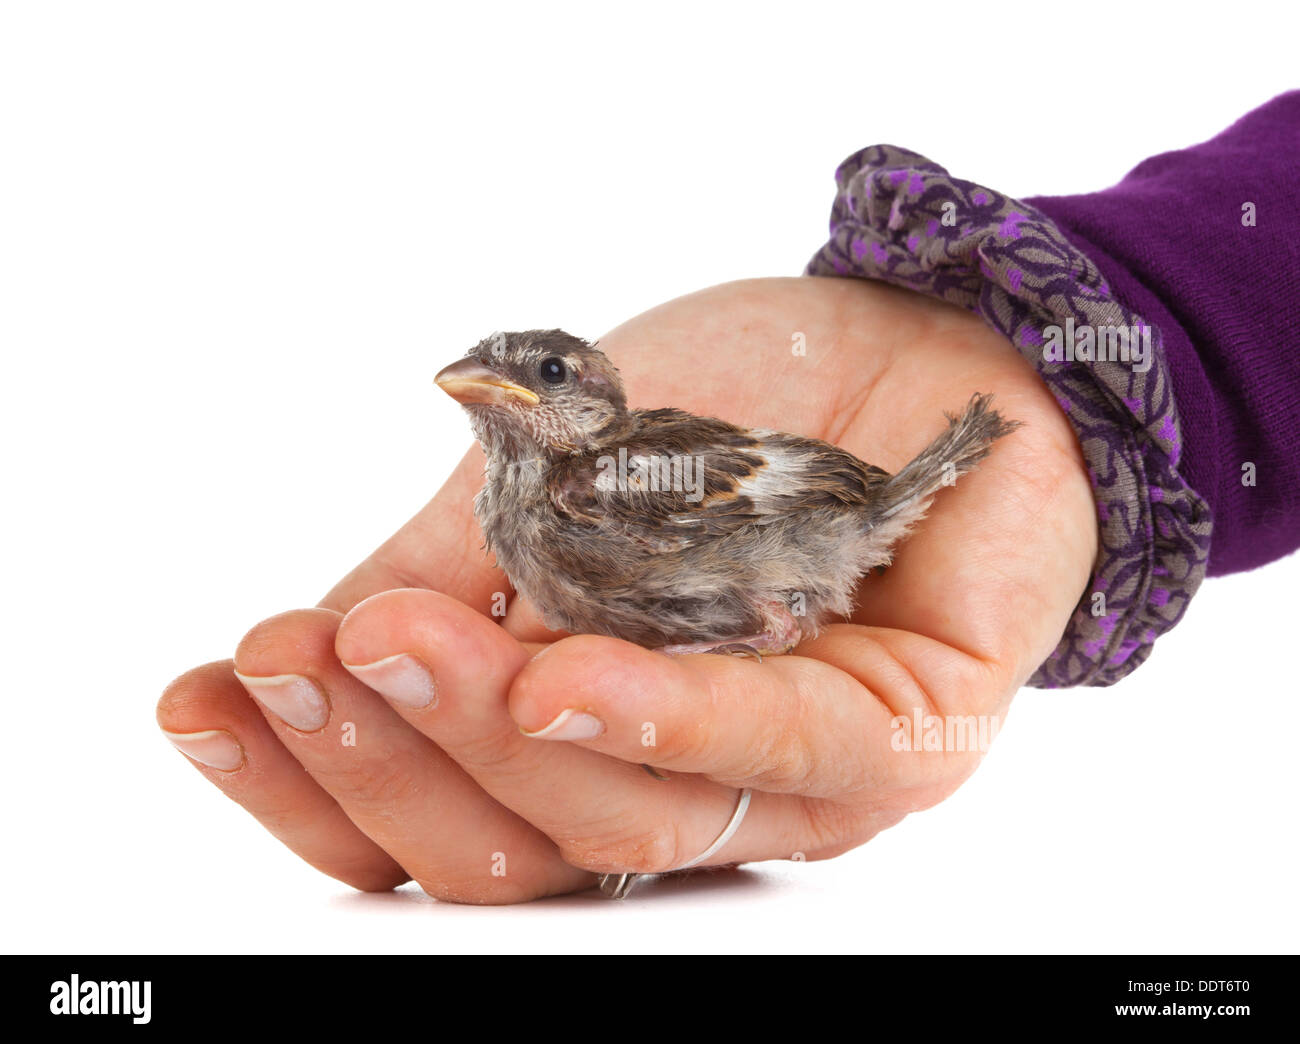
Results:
<point x="678" y="532"/>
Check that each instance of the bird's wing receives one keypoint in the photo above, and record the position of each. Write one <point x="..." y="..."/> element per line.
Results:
<point x="677" y="479"/>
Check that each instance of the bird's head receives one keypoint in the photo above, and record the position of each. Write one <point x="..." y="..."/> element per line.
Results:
<point x="537" y="393"/>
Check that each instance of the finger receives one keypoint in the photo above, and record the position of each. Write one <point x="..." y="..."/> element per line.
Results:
<point x="603" y="814"/>
<point x="441" y="549"/>
<point x="401" y="790"/>
<point x="206" y="715"/>
<point x="818" y="725"/>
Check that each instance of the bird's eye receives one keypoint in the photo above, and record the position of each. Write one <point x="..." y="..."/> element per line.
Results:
<point x="552" y="370"/>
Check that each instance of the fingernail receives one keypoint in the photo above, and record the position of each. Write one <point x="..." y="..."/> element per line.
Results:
<point x="293" y="699"/>
<point x="400" y="679"/>
<point x="215" y="748"/>
<point x="569" y="725"/>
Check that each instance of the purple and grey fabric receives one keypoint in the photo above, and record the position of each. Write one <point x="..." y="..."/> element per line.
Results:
<point x="1202" y="248"/>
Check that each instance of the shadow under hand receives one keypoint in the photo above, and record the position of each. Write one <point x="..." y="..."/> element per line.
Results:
<point x="714" y="882"/>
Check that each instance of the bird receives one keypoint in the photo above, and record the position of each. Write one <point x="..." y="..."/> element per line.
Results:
<point x="678" y="532"/>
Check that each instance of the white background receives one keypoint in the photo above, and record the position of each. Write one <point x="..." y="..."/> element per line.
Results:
<point x="237" y="240"/>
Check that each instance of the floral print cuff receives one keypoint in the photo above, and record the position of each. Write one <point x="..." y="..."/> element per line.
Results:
<point x="903" y="219"/>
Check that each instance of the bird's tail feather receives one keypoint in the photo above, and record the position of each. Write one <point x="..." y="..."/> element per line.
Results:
<point x="966" y="442"/>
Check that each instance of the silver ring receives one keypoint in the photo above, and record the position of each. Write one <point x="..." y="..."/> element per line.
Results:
<point x="617" y="886"/>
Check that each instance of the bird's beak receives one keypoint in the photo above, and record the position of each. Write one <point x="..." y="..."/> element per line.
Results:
<point x="468" y="380"/>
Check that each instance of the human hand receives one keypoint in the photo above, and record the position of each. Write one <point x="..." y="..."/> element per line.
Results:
<point x="452" y="794"/>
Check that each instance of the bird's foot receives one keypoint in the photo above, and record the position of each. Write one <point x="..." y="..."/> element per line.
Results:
<point x="783" y="633"/>
<point x="740" y="649"/>
<point x="744" y="647"/>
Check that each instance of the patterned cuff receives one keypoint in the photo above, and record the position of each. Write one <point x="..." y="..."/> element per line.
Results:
<point x="903" y="219"/>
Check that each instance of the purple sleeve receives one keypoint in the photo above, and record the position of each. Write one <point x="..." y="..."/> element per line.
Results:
<point x="1205" y="244"/>
<point x="1190" y="444"/>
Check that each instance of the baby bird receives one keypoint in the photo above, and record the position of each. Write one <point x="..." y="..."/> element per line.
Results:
<point x="677" y="532"/>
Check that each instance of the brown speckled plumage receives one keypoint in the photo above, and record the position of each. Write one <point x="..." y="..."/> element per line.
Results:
<point x="761" y="537"/>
